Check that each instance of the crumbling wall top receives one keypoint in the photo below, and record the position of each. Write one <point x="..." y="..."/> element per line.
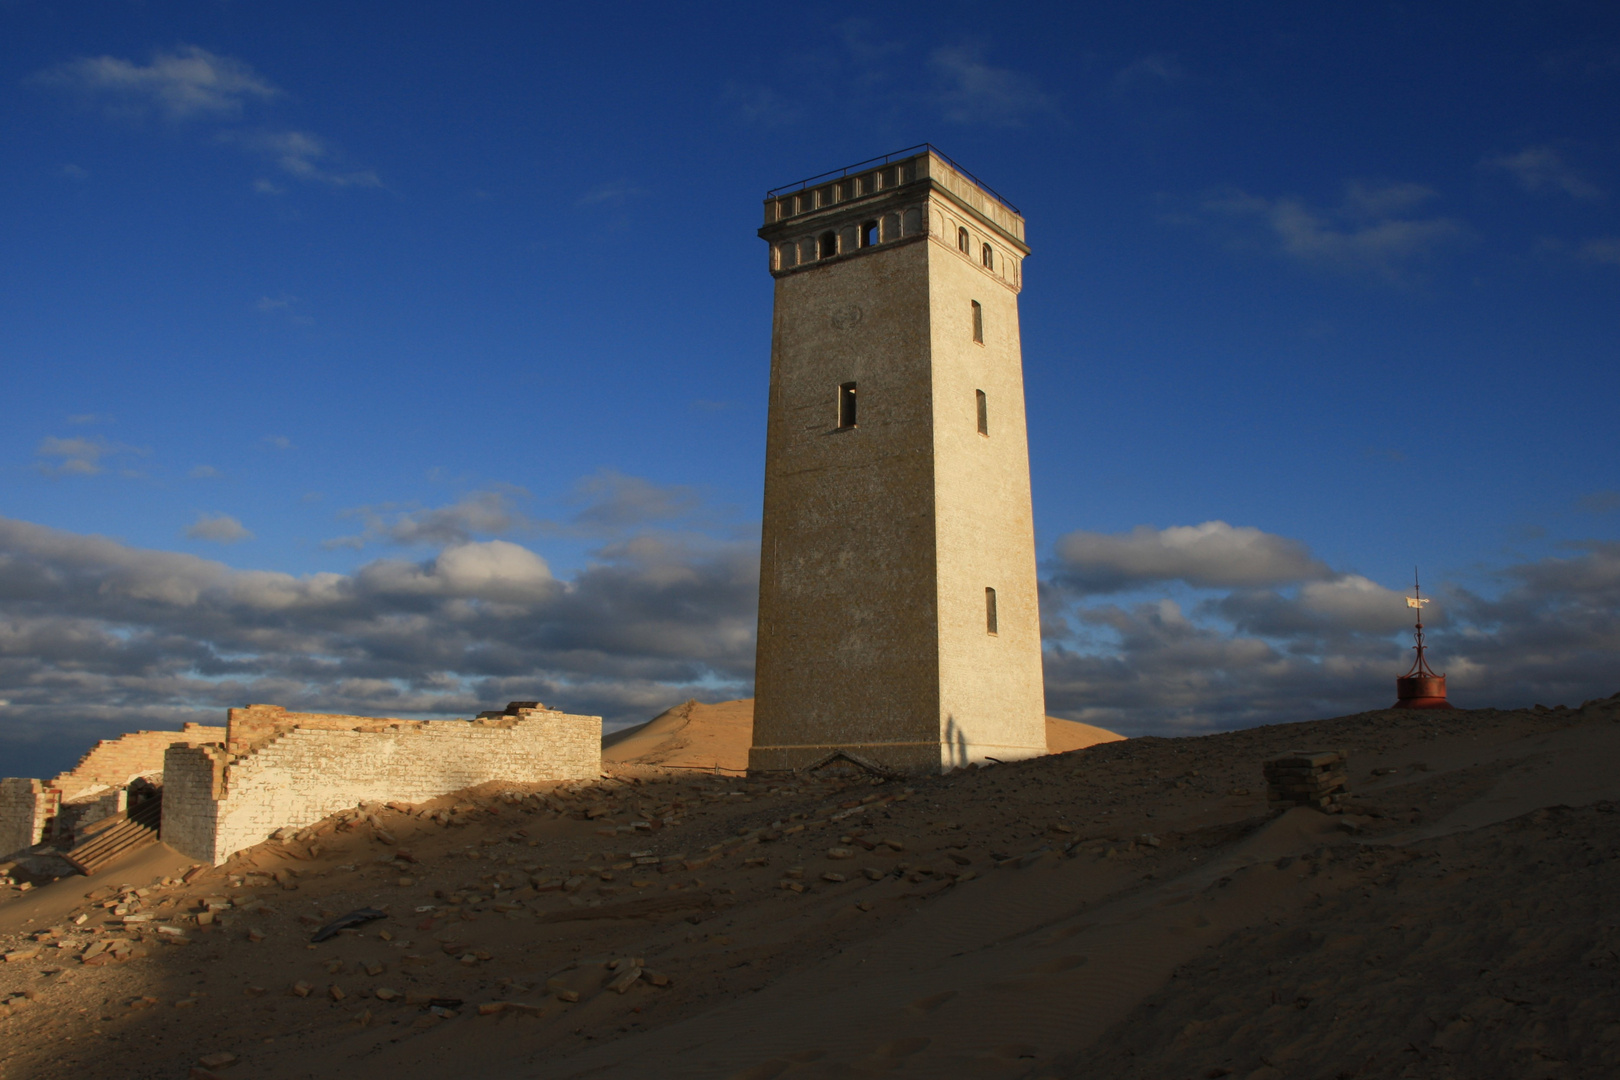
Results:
<point x="253" y="726"/>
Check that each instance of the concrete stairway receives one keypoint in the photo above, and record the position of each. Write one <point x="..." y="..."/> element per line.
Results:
<point x="137" y="830"/>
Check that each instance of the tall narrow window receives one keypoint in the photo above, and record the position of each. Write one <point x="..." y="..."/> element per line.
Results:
<point x="984" y="413"/>
<point x="988" y="258"/>
<point x="846" y="405"/>
<point x="829" y="245"/>
<point x="869" y="234"/>
<point x="978" y="322"/>
<point x="962" y="242"/>
<point x="990" y="611"/>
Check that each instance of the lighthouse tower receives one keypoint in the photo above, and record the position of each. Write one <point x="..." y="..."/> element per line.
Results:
<point x="898" y="617"/>
<point x="1420" y="687"/>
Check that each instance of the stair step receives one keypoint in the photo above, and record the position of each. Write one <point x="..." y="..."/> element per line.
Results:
<point x="135" y="831"/>
<point x="123" y="842"/>
<point x="114" y="837"/>
<point x="89" y="862"/>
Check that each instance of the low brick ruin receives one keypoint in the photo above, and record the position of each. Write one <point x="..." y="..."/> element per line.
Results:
<point x="277" y="769"/>
<point x="228" y="788"/>
<point x="62" y="808"/>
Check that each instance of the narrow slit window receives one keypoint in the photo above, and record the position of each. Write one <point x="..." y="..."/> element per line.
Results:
<point x="846" y="405"/>
<point x="869" y="234"/>
<point x="962" y="242"/>
<point x="978" y="322"/>
<point x="984" y="414"/>
<point x="988" y="257"/>
<point x="989" y="611"/>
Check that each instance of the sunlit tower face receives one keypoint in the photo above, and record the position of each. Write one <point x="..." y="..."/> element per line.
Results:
<point x="898" y="620"/>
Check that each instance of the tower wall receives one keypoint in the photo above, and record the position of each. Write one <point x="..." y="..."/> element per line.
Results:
<point x="992" y="699"/>
<point x="847" y="652"/>
<point x="881" y="538"/>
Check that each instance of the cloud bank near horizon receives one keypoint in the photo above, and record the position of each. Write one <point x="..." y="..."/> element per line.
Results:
<point x="98" y="636"/>
<point x="1255" y="629"/>
<point x="1172" y="631"/>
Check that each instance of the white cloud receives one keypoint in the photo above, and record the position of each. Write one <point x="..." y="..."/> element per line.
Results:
<point x="1269" y="633"/>
<point x="277" y="442"/>
<point x="1371" y="230"/>
<point x="492" y="570"/>
<point x="1543" y="169"/>
<point x="220" y="528"/>
<point x="974" y="92"/>
<point x="1152" y="70"/>
<point x="1599" y="502"/>
<point x="192" y="83"/>
<point x="270" y="304"/>
<point x="187" y="83"/>
<point x="302" y="155"/>
<point x="79" y="456"/>
<point x="131" y="635"/>
<point x="1603" y="249"/>
<point x="1212" y="554"/>
<point x="1265" y="631"/>
<point x="614" y="192"/>
<point x="489" y="513"/>
<point x="610" y="502"/>
<point x="204" y="472"/>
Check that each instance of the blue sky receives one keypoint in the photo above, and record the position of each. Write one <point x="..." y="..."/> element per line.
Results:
<point x="410" y="358"/>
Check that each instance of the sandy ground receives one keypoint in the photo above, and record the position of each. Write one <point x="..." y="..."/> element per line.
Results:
<point x="716" y="738"/>
<point x="1134" y="909"/>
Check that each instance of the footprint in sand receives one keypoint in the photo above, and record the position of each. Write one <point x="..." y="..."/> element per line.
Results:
<point x="1057" y="965"/>
<point x="774" y="1067"/>
<point x="1015" y="1050"/>
<point x="1067" y="932"/>
<point x="902" y="1048"/>
<point x="924" y="1006"/>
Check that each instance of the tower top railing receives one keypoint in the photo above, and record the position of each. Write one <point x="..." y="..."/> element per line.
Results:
<point x="879" y="162"/>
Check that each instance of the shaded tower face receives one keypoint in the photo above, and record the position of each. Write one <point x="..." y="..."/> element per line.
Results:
<point x="898" y="615"/>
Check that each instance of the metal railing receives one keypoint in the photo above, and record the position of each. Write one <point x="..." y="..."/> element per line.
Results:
<point x="878" y="162"/>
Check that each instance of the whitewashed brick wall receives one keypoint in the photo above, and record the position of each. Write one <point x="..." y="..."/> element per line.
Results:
<point x="307" y="774"/>
<point x="25" y="806"/>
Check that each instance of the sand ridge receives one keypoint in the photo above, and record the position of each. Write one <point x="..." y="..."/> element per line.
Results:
<point x="695" y="735"/>
<point x="1132" y="909"/>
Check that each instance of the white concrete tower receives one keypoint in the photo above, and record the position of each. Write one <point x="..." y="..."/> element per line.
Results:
<point x="898" y="616"/>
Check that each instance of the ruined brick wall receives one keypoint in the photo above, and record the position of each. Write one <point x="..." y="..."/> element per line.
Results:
<point x="77" y="815"/>
<point x="307" y="773"/>
<point x="254" y="726"/>
<point x="193" y="781"/>
<point x="25" y="807"/>
<point x="115" y="762"/>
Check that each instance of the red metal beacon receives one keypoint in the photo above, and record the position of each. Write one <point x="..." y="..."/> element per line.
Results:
<point x="1420" y="687"/>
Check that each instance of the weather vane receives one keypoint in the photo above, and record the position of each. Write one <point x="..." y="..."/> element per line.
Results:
<point x="1420" y="687"/>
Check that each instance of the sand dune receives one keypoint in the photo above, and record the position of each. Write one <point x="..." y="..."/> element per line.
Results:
<point x="1133" y="909"/>
<point x="694" y="735"/>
